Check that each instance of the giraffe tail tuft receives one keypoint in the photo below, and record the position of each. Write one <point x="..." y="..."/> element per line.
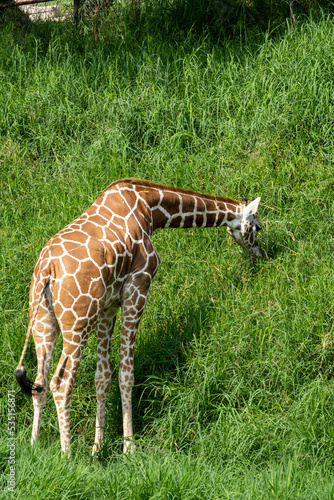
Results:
<point x="26" y="385"/>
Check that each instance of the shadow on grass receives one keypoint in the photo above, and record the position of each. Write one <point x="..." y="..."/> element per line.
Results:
<point x="158" y="361"/>
<point x="162" y="21"/>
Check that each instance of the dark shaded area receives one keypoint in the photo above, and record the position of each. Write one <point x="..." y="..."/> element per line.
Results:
<point x="157" y="359"/>
<point x="18" y="19"/>
<point x="172" y="20"/>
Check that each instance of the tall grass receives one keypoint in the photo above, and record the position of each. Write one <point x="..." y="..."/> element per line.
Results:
<point x="234" y="360"/>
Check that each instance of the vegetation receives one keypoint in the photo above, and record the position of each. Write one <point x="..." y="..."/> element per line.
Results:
<point x="234" y="391"/>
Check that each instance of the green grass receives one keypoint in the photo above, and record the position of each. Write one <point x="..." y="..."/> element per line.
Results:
<point x="234" y="360"/>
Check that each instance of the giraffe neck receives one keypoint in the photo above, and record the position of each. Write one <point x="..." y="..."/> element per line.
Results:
<point x="174" y="207"/>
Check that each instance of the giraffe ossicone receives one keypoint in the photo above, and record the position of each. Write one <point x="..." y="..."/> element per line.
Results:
<point x="102" y="261"/>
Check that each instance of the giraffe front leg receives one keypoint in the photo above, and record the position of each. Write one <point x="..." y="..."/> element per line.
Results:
<point x="132" y="310"/>
<point x="126" y="382"/>
<point x="103" y="373"/>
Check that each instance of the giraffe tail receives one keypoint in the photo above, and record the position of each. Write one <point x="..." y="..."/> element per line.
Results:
<point x="27" y="386"/>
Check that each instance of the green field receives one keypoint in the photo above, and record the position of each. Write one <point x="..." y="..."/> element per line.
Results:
<point x="234" y="394"/>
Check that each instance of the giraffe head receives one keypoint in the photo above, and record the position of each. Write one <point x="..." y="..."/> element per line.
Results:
<point x="245" y="226"/>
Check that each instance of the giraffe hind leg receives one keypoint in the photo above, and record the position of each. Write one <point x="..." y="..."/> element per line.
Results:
<point x="63" y="379"/>
<point x="77" y="314"/>
<point x="45" y="334"/>
<point x="44" y="327"/>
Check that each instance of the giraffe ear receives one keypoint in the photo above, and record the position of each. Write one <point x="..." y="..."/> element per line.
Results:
<point x="251" y="209"/>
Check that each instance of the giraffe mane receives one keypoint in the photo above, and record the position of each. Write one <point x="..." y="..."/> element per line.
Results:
<point x="145" y="183"/>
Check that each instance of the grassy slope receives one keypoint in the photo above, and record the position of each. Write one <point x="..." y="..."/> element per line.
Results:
<point x="234" y="392"/>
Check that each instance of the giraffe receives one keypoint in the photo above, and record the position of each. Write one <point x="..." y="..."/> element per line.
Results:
<point x="102" y="261"/>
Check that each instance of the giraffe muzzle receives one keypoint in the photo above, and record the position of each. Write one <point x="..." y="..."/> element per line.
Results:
<point x="256" y="253"/>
